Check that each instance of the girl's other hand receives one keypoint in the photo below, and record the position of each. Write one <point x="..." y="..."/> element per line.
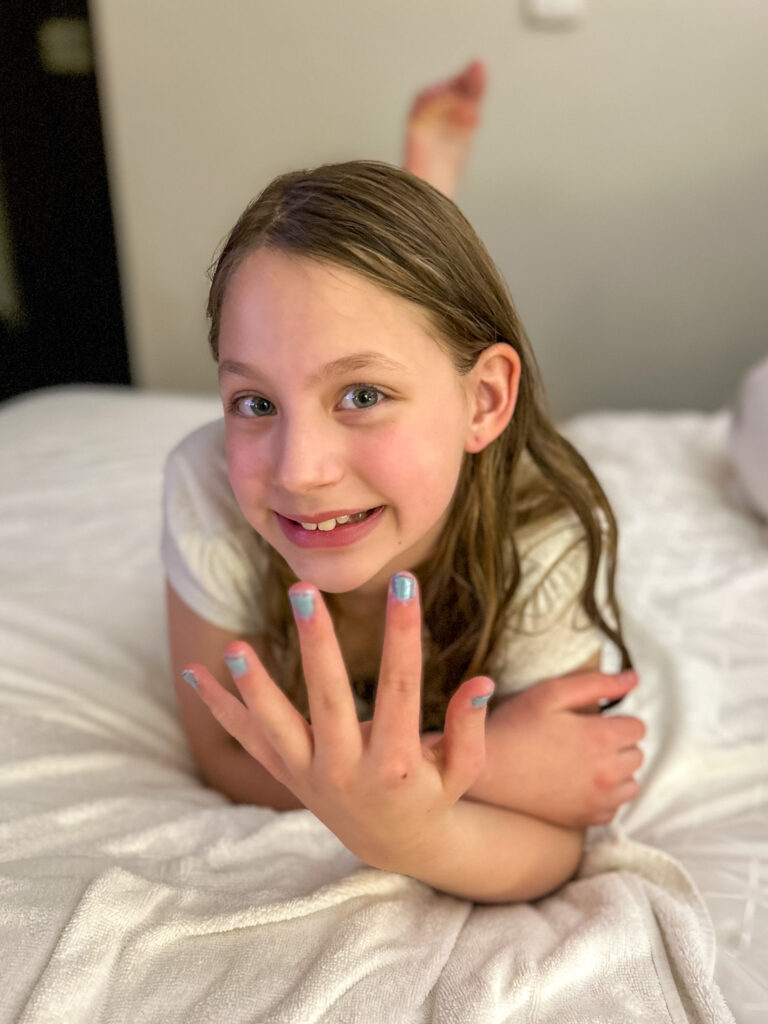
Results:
<point x="386" y="796"/>
<point x="547" y="758"/>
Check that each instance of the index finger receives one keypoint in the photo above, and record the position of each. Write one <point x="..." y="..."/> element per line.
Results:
<point x="395" y="728"/>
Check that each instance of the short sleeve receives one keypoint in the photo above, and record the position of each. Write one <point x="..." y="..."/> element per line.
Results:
<point x="211" y="554"/>
<point x="547" y="632"/>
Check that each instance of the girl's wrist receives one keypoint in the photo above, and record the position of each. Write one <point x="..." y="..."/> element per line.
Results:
<point x="430" y="856"/>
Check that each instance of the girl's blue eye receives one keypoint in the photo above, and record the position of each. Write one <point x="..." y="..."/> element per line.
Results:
<point x="370" y="396"/>
<point x="252" y="402"/>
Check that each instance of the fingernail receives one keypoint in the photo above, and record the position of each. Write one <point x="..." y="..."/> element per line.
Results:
<point x="190" y="678"/>
<point x="236" y="663"/>
<point x="403" y="587"/>
<point x="303" y="603"/>
<point x="628" y="676"/>
<point x="480" y="702"/>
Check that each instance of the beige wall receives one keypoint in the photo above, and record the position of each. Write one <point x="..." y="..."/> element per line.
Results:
<point x="619" y="178"/>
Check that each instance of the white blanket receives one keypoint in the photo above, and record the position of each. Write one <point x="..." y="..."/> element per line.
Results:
<point x="129" y="892"/>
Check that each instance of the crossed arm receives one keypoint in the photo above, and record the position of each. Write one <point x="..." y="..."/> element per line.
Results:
<point x="433" y="807"/>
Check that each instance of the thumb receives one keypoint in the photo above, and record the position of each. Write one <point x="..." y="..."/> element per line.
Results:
<point x="464" y="735"/>
<point x="577" y="691"/>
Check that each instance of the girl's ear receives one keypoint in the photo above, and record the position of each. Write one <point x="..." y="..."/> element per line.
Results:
<point x="493" y="384"/>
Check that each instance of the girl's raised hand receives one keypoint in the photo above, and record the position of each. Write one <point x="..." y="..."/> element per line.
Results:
<point x="386" y="795"/>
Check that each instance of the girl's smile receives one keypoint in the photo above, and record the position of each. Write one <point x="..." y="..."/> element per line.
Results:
<point x="329" y="531"/>
<point x="338" y="400"/>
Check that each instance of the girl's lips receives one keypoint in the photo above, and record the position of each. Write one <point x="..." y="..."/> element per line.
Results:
<point x="339" y="536"/>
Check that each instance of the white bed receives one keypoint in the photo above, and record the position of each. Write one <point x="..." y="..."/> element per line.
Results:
<point x="129" y="892"/>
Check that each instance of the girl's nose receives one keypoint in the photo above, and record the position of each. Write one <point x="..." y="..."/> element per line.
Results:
<point x="306" y="457"/>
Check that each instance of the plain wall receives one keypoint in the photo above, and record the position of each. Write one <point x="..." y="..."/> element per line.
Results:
<point x="619" y="177"/>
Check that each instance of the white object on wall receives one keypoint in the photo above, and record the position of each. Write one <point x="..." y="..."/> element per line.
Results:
<point x="553" y="14"/>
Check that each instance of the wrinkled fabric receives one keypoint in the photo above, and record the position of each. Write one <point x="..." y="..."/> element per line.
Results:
<point x="131" y="892"/>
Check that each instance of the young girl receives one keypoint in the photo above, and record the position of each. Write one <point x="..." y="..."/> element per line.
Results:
<point x="384" y="530"/>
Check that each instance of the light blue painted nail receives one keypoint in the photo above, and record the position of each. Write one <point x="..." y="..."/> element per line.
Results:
<point x="303" y="604"/>
<point x="237" y="664"/>
<point x="403" y="587"/>
<point x="190" y="678"/>
<point x="480" y="702"/>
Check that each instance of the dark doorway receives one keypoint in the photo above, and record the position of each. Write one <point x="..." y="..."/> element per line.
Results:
<point x="65" y="322"/>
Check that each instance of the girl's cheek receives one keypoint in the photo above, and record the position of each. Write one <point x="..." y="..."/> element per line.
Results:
<point x="246" y="471"/>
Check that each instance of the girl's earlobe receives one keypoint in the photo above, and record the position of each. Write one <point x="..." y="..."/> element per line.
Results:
<point x="475" y="445"/>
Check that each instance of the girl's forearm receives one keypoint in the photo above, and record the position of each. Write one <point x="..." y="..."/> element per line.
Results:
<point x="493" y="855"/>
<point x="487" y="854"/>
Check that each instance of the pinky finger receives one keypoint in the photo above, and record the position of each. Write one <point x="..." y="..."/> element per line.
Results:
<point x="626" y="791"/>
<point x="464" y="735"/>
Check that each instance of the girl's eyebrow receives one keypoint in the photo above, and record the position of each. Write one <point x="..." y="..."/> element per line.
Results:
<point x="346" y="364"/>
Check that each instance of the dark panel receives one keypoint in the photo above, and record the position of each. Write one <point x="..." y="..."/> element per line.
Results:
<point x="58" y="203"/>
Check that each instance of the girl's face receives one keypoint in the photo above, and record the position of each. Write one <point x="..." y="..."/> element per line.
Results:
<point x="308" y="441"/>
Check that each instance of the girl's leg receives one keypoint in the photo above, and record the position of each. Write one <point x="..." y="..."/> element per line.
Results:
<point x="441" y="124"/>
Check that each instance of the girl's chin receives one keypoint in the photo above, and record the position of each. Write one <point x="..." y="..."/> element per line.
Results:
<point x="333" y="581"/>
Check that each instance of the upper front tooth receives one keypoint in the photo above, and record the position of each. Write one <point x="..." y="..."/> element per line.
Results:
<point x="328" y="524"/>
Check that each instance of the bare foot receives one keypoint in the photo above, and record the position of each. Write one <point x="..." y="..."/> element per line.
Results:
<point x="440" y="127"/>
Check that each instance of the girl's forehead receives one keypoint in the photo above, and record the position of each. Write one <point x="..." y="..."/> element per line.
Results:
<point x="278" y="282"/>
<point x="276" y="298"/>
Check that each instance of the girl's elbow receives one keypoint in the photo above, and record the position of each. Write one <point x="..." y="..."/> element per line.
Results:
<point x="554" y="873"/>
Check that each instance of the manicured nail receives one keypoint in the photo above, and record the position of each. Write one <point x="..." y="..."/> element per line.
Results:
<point x="236" y="663"/>
<point x="303" y="603"/>
<point x="403" y="587"/>
<point x="480" y="702"/>
<point x="190" y="677"/>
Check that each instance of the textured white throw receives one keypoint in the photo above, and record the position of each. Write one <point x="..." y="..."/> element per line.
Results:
<point x="131" y="893"/>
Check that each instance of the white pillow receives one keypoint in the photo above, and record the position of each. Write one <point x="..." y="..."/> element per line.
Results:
<point x="748" y="438"/>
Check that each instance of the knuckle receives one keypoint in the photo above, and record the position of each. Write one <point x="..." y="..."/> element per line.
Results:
<point x="605" y="740"/>
<point x="329" y="705"/>
<point x="555" y="689"/>
<point x="277" y="770"/>
<point x="400" y="683"/>
<point x="603" y="779"/>
<point x="333" y="774"/>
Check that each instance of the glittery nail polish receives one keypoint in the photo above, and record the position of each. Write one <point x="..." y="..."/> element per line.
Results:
<point x="236" y="664"/>
<point x="303" y="603"/>
<point x="403" y="587"/>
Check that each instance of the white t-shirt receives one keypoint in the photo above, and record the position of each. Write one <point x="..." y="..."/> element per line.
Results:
<point x="214" y="562"/>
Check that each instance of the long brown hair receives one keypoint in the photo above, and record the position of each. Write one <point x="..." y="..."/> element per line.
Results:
<point x="405" y="236"/>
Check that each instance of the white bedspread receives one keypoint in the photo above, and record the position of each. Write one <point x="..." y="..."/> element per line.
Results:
<point x="129" y="892"/>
